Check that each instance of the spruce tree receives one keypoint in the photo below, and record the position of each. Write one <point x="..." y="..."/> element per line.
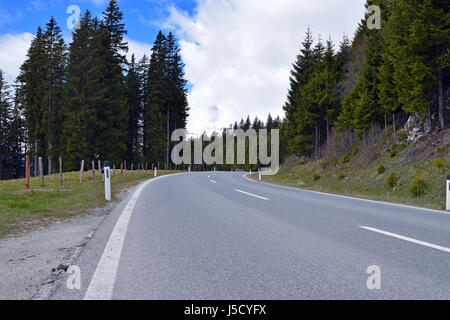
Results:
<point x="300" y="73"/>
<point x="143" y="71"/>
<point x="155" y="116"/>
<point x="417" y="36"/>
<point x="177" y="85"/>
<point x="5" y="121"/>
<point x="12" y="134"/>
<point x="82" y="93"/>
<point x="300" y="76"/>
<point x="134" y="96"/>
<point x="112" y="112"/>
<point x="56" y="60"/>
<point x="31" y="94"/>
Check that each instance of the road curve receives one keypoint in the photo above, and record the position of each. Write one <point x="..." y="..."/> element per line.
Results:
<point x="217" y="235"/>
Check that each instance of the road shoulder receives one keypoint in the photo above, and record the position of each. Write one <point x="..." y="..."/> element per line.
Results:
<point x="32" y="263"/>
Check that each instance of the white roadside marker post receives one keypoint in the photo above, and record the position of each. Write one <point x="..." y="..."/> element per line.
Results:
<point x="250" y="171"/>
<point x="259" y="173"/>
<point x="156" y="171"/>
<point x="189" y="169"/>
<point x="448" y="192"/>
<point x="107" y="175"/>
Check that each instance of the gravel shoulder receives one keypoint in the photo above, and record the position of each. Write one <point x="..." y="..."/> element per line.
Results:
<point x="32" y="263"/>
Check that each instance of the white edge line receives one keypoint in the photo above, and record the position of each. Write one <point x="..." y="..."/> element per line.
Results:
<point x="349" y="197"/>
<point x="212" y="181"/>
<point x="252" y="195"/>
<point x="394" y="235"/>
<point x="102" y="283"/>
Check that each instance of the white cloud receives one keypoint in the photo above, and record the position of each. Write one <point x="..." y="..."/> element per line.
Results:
<point x="138" y="48"/>
<point x="13" y="50"/>
<point x="238" y="53"/>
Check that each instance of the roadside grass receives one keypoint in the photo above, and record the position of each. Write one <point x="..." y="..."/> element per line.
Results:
<point x="362" y="178"/>
<point x="22" y="210"/>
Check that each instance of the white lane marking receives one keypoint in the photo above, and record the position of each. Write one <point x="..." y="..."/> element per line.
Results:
<point x="349" y="197"/>
<point x="252" y="195"/>
<point x="102" y="283"/>
<point x="212" y="181"/>
<point x="423" y="243"/>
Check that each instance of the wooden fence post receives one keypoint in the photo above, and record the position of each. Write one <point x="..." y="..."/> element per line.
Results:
<point x="60" y="172"/>
<point x="81" y="171"/>
<point x="27" y="172"/>
<point x="114" y="170"/>
<point x="36" y="164"/>
<point x="100" y="167"/>
<point x="121" y="168"/>
<point x="93" y="170"/>
<point x="41" y="171"/>
<point x="131" y="171"/>
<point x="49" y="165"/>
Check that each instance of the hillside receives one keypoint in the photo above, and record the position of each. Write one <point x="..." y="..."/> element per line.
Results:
<point x="416" y="171"/>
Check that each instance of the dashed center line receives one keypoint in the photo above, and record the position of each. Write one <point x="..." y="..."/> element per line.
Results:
<point x="394" y="235"/>
<point x="251" y="195"/>
<point x="212" y="181"/>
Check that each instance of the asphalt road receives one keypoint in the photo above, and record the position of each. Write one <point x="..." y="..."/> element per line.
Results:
<point x="219" y="235"/>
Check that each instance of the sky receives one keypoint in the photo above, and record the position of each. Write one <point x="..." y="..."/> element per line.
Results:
<point x="238" y="53"/>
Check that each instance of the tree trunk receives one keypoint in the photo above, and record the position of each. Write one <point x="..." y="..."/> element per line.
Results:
<point x="35" y="158"/>
<point x="393" y="123"/>
<point x="316" y="151"/>
<point x="168" y="139"/>
<point x="328" y="137"/>
<point x="385" y="123"/>
<point x="441" y="99"/>
<point x="429" y="118"/>
<point x="60" y="172"/>
<point x="1" y="167"/>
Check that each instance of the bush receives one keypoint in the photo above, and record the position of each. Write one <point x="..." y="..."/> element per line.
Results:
<point x="402" y="145"/>
<point x="355" y="150"/>
<point x="402" y="135"/>
<point x="440" y="149"/>
<point x="439" y="163"/>
<point x="345" y="159"/>
<point x="393" y="153"/>
<point x="381" y="169"/>
<point x="334" y="162"/>
<point x="316" y="176"/>
<point x="417" y="188"/>
<point x="340" y="176"/>
<point x="392" y="179"/>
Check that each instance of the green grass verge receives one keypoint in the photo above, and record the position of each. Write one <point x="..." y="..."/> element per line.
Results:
<point x="22" y="210"/>
<point x="364" y="178"/>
